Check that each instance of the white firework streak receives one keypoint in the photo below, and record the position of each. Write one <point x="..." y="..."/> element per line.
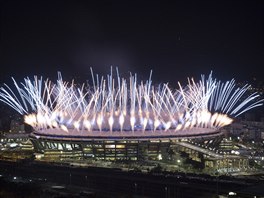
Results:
<point x="114" y="104"/>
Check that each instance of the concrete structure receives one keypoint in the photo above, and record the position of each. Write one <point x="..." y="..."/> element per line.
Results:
<point x="103" y="148"/>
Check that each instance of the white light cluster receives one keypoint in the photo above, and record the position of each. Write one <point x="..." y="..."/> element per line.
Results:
<point x="116" y="104"/>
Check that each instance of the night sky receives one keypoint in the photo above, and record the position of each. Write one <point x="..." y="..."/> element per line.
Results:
<point x="176" y="41"/>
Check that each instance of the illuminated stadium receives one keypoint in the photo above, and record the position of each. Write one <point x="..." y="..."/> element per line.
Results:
<point x="116" y="115"/>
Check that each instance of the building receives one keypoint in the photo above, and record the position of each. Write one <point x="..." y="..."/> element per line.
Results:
<point x="109" y="147"/>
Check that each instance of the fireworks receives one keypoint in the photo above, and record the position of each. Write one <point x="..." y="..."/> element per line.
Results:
<point x="116" y="106"/>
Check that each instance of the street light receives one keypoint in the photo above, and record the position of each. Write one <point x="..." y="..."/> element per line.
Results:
<point x="135" y="188"/>
<point x="86" y="179"/>
<point x="70" y="178"/>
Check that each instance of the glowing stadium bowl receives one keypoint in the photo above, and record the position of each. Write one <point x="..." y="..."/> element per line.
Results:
<point x="116" y="108"/>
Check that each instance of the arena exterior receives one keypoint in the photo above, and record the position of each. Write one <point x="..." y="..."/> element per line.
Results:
<point x="148" y="147"/>
<point x="120" y="119"/>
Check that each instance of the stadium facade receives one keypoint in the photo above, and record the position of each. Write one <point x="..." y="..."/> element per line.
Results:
<point x="112" y="149"/>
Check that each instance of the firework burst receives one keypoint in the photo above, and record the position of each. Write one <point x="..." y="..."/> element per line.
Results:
<point x="116" y="106"/>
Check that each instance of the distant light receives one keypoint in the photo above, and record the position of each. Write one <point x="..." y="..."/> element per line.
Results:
<point x="159" y="157"/>
<point x="58" y="187"/>
<point x="13" y="145"/>
<point x="231" y="193"/>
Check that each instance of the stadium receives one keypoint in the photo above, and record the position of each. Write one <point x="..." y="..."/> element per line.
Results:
<point x="123" y="119"/>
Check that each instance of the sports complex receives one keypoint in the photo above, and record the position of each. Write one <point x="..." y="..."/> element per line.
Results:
<point x="124" y="119"/>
